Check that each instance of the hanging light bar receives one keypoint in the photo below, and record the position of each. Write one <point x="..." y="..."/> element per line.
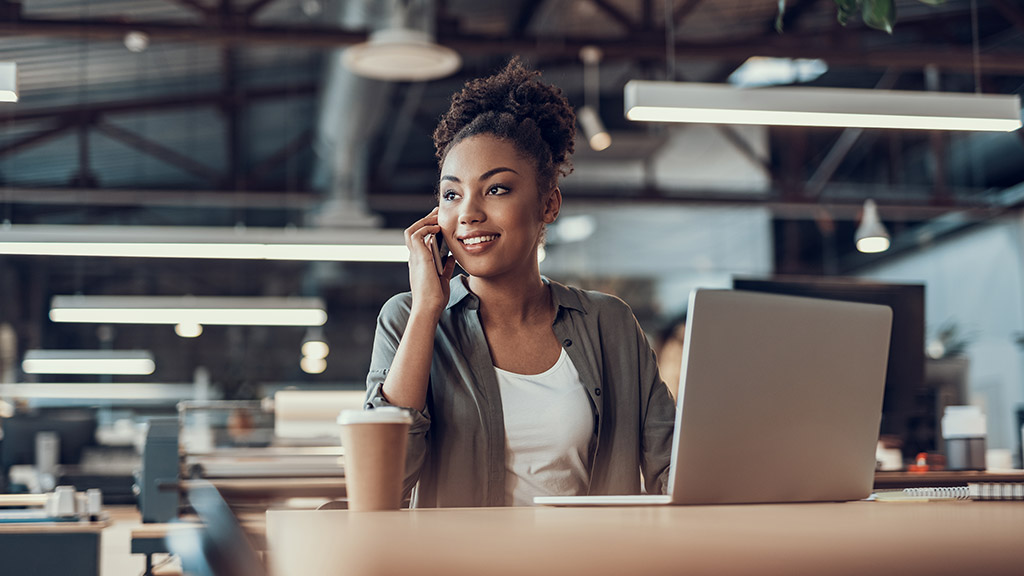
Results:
<point x="101" y="362"/>
<point x="321" y="245"/>
<point x="174" y="310"/>
<point x="805" y="106"/>
<point x="8" y="82"/>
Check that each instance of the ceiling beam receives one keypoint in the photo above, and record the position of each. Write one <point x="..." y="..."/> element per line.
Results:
<point x="1011" y="12"/>
<point x="684" y="10"/>
<point x="195" y="5"/>
<point x="35" y="138"/>
<point x="253" y="9"/>
<point x="644" y="46"/>
<point x="162" y="198"/>
<point x="616" y="14"/>
<point x="159" y="151"/>
<point x="75" y="111"/>
<point x="839" y="208"/>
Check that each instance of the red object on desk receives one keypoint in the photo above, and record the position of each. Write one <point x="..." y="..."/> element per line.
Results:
<point x="920" y="463"/>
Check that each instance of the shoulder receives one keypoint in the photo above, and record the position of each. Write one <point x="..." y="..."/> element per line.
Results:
<point x="590" y="302"/>
<point x="396" y="309"/>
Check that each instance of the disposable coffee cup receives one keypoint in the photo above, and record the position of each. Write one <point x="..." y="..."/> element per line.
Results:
<point x="374" y="442"/>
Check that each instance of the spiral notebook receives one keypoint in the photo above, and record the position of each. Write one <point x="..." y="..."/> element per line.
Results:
<point x="780" y="400"/>
<point x="986" y="491"/>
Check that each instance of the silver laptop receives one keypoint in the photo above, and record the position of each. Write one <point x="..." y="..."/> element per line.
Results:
<point x="780" y="400"/>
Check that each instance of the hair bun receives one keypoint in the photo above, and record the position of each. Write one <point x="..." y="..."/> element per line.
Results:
<point x="516" y="105"/>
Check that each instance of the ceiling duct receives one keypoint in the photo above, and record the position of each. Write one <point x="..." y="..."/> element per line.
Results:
<point x="350" y="113"/>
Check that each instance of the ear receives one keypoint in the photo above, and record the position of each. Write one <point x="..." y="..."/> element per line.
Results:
<point x="552" y="204"/>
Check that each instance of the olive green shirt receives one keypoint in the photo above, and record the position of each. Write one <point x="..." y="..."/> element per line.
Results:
<point x="456" y="450"/>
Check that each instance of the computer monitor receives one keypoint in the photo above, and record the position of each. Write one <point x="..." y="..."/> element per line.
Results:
<point x="904" y="414"/>
<point x="76" y="429"/>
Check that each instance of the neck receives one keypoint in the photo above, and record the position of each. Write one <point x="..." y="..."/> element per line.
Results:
<point x="512" y="299"/>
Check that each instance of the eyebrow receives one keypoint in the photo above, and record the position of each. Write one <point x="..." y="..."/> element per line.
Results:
<point x="484" y="176"/>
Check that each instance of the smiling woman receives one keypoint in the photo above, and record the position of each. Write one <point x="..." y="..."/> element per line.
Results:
<point x="518" y="386"/>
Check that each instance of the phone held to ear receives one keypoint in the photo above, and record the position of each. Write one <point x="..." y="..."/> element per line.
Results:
<point x="441" y="253"/>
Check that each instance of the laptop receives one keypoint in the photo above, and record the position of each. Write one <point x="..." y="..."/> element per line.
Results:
<point x="780" y="400"/>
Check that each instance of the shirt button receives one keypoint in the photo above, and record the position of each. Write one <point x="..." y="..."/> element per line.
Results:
<point x="566" y="343"/>
<point x="597" y="391"/>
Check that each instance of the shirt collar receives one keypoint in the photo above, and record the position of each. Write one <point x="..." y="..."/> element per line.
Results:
<point x="561" y="295"/>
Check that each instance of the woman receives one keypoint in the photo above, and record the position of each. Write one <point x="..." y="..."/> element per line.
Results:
<point x="518" y="386"/>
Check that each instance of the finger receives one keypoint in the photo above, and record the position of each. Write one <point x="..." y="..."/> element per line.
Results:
<point x="425" y="232"/>
<point x="430" y="218"/>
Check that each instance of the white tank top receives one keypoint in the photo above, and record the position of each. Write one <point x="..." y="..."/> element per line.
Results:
<point x="548" y="428"/>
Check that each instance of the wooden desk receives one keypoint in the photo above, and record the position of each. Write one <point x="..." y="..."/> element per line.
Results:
<point x="854" y="538"/>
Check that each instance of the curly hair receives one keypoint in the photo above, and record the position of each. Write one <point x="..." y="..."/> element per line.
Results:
<point x="514" y="105"/>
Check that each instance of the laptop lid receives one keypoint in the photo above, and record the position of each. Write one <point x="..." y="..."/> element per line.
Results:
<point x="780" y="399"/>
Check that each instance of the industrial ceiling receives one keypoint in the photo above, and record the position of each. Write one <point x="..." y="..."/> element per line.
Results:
<point x="239" y="114"/>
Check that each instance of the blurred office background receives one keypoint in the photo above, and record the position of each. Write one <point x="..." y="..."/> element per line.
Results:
<point x="181" y="120"/>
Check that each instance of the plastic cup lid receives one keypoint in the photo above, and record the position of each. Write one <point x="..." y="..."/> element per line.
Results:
<point x="386" y="414"/>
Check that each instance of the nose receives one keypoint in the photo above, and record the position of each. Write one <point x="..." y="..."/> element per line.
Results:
<point x="471" y="210"/>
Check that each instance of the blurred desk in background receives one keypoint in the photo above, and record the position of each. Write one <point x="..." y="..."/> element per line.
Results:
<point x="45" y="548"/>
<point x="930" y="538"/>
<point x="937" y="478"/>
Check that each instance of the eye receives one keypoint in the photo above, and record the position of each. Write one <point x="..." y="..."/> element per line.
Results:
<point x="497" y="190"/>
<point x="449" y="195"/>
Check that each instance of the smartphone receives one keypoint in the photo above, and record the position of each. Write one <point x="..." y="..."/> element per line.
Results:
<point x="441" y="252"/>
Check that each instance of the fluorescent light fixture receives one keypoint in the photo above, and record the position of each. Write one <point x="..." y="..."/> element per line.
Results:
<point x="319" y="245"/>
<point x="136" y="41"/>
<point x="593" y="128"/>
<point x="314" y="345"/>
<point x="804" y="106"/>
<point x="118" y="362"/>
<point x="871" y="236"/>
<point x="312" y="365"/>
<point x="316" y="349"/>
<point x="188" y="329"/>
<point x="401" y="54"/>
<point x="8" y="82"/>
<point x="174" y="310"/>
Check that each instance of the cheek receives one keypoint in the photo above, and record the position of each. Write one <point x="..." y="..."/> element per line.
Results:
<point x="447" y="218"/>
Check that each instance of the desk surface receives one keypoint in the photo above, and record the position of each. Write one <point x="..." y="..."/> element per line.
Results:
<point x="931" y="538"/>
<point x="52" y="527"/>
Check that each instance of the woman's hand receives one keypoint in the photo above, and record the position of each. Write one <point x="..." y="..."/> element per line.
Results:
<point x="429" y="290"/>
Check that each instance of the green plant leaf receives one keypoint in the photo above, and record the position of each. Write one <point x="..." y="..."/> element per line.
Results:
<point x="778" y="17"/>
<point x="844" y="8"/>
<point x="879" y="14"/>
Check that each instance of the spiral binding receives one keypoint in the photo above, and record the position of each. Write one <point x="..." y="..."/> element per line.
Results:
<point x="939" y="493"/>
<point x="996" y="490"/>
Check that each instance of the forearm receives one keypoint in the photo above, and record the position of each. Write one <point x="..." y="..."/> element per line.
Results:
<point x="406" y="381"/>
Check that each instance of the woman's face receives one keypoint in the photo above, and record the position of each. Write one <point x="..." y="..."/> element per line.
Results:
<point x="490" y="210"/>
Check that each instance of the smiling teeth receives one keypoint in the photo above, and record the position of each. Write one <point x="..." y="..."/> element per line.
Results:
<point x="478" y="240"/>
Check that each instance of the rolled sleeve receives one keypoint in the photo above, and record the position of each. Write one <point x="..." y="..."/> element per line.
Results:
<point x="391" y="323"/>
<point x="375" y="399"/>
